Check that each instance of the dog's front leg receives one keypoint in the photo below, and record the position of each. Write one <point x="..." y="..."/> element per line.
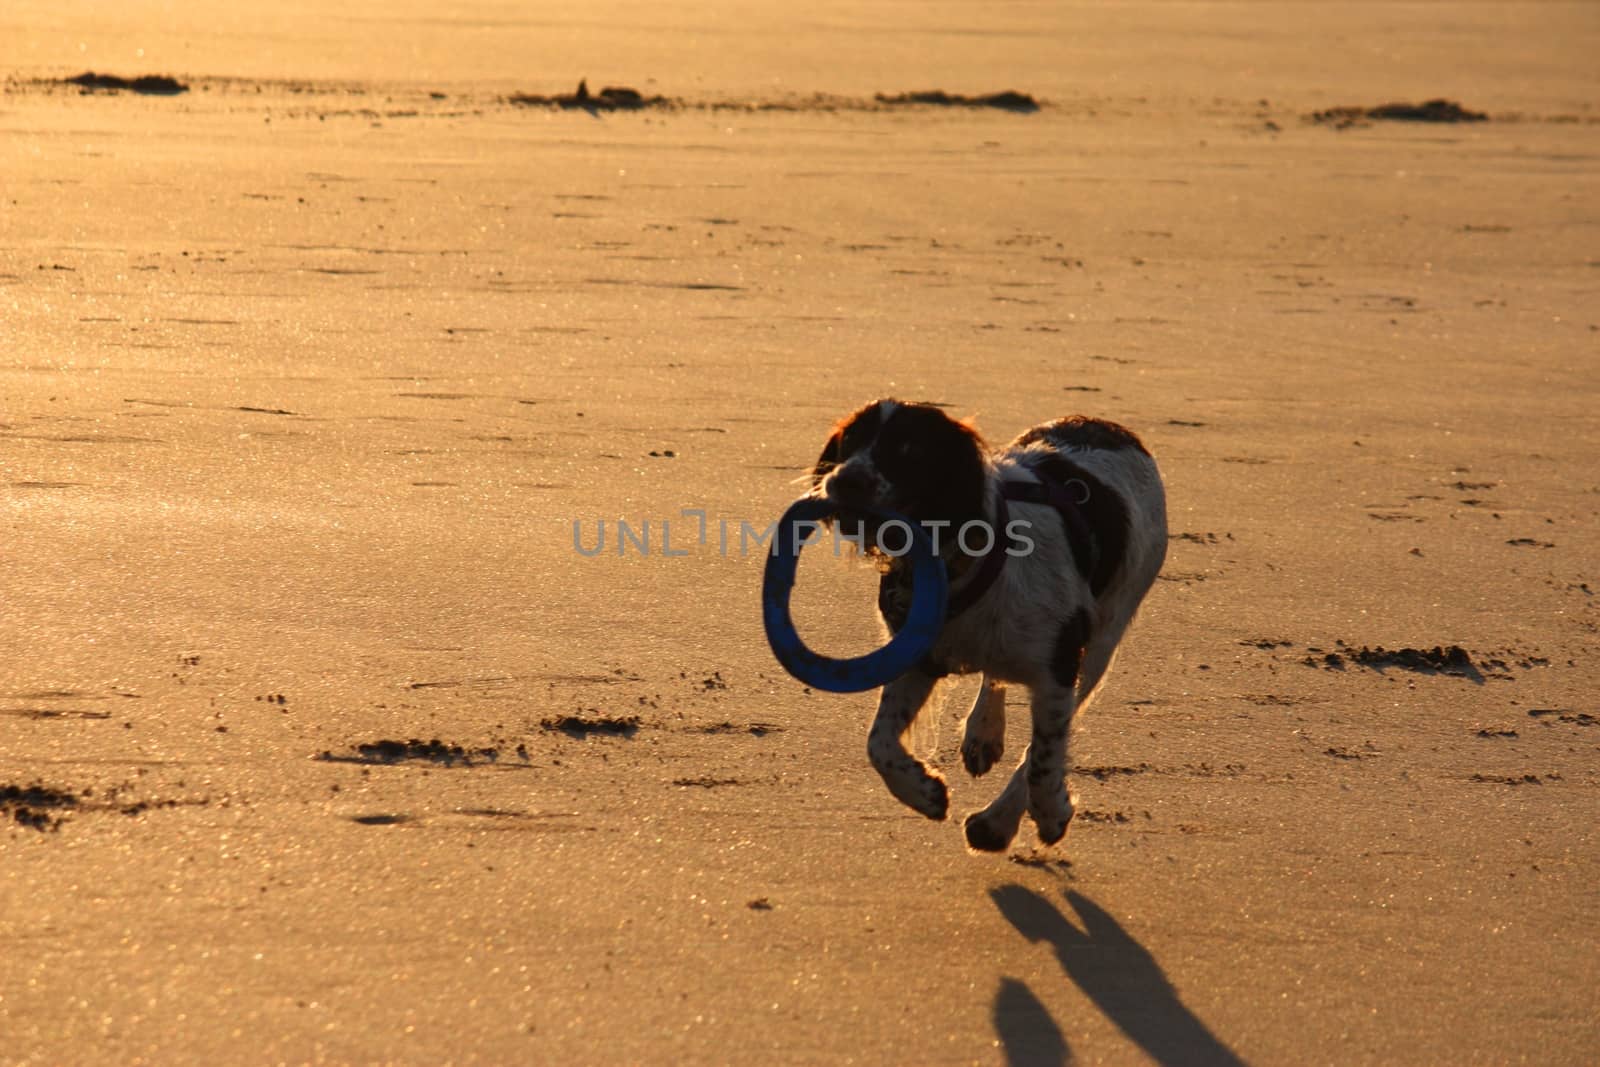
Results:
<point x="911" y="782"/>
<point x="985" y="737"/>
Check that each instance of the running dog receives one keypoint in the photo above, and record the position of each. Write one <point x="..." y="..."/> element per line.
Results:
<point x="1051" y="544"/>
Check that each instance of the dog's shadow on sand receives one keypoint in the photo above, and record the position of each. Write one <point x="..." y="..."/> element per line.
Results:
<point x="1113" y="970"/>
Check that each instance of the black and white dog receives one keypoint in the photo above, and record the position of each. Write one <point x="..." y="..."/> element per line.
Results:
<point x="1051" y="544"/>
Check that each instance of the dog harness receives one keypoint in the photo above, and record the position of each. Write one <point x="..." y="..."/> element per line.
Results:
<point x="1067" y="497"/>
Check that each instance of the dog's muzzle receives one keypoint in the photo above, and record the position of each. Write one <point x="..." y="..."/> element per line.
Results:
<point x="852" y="487"/>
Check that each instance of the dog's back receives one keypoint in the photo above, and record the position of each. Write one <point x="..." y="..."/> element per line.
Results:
<point x="1117" y="487"/>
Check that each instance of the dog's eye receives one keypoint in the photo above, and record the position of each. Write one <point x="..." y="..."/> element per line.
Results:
<point x="854" y="438"/>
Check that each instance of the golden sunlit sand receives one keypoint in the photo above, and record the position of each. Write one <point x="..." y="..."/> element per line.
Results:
<point x="321" y="741"/>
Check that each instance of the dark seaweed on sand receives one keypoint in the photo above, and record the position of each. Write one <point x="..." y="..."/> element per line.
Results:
<point x="34" y="806"/>
<point x="610" y="98"/>
<point x="431" y="751"/>
<point x="1010" y="100"/>
<point x="1429" y="111"/>
<point x="148" y="84"/>
<point x="579" y="726"/>
<point x="1437" y="660"/>
<point x="623" y="98"/>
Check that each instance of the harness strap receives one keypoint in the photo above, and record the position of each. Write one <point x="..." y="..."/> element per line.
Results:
<point x="989" y="567"/>
<point x="1059" y="495"/>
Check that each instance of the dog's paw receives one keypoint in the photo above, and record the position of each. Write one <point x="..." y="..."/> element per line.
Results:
<point x="919" y="790"/>
<point x="935" y="799"/>
<point x="1052" y="825"/>
<point x="979" y="754"/>
<point x="984" y="836"/>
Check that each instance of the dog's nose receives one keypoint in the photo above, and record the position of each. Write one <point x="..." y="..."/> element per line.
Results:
<point x="851" y="484"/>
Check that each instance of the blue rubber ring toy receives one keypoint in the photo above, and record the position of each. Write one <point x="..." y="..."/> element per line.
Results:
<point x="930" y="590"/>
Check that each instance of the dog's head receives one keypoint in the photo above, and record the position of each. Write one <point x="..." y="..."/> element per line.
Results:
<point x="910" y="458"/>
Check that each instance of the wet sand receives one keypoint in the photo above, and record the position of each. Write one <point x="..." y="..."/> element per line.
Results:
<point x="319" y="742"/>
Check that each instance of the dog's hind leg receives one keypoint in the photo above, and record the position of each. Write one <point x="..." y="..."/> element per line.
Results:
<point x="907" y="778"/>
<point x="1046" y="771"/>
<point x="992" y="829"/>
<point x="1054" y="702"/>
<point x="985" y="738"/>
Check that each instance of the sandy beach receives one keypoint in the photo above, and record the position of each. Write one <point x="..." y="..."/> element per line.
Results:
<point x="322" y="742"/>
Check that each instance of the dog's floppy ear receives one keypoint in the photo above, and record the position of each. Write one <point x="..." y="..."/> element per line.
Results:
<point x="829" y="458"/>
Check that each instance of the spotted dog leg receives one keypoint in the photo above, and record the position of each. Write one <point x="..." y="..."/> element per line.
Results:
<point x="992" y="829"/>
<point x="911" y="782"/>
<point x="1054" y="701"/>
<point x="1046" y="771"/>
<point x="985" y="738"/>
